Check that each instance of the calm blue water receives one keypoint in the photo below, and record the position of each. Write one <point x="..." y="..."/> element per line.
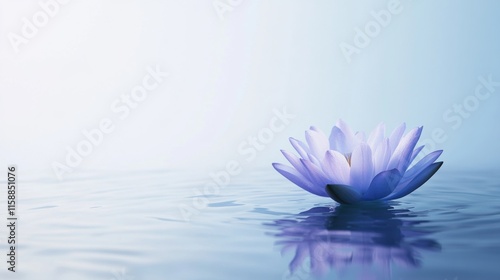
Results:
<point x="128" y="226"/>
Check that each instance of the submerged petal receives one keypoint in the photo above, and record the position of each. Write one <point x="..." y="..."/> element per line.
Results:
<point x="416" y="182"/>
<point x="343" y="194"/>
<point x="382" y="185"/>
<point x="361" y="167"/>
<point x="296" y="178"/>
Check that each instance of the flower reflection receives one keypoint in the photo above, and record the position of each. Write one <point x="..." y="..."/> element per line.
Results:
<point x="370" y="239"/>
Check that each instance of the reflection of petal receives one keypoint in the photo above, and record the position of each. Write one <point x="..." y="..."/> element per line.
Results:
<point x="300" y="256"/>
<point x="376" y="235"/>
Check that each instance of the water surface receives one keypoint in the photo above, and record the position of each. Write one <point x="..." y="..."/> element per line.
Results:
<point x="159" y="225"/>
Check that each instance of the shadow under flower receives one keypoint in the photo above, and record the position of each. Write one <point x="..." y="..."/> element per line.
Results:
<point x="369" y="236"/>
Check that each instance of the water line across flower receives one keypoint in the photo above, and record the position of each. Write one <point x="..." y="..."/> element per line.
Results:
<point x="350" y="167"/>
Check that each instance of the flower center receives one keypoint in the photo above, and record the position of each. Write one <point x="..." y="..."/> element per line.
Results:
<point x="348" y="158"/>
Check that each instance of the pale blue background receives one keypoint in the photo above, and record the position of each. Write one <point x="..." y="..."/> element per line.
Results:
<point x="121" y="213"/>
<point x="228" y="75"/>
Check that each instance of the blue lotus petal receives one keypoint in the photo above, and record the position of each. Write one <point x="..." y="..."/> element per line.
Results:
<point x="316" y="175"/>
<point x="314" y="160"/>
<point x="361" y="167"/>
<point x="296" y="178"/>
<point x="411" y="173"/>
<point x="350" y="140"/>
<point x="422" y="164"/>
<point x="337" y="140"/>
<point x="318" y="143"/>
<point x="396" y="137"/>
<point x="419" y="180"/>
<point x="381" y="157"/>
<point x="376" y="137"/>
<point x="360" y="136"/>
<point x="345" y="128"/>
<point x="333" y="195"/>
<point x="416" y="152"/>
<point x="312" y="127"/>
<point x="401" y="157"/>
<point x="382" y="185"/>
<point x="300" y="147"/>
<point x="295" y="162"/>
<point x="336" y="168"/>
<point x="343" y="194"/>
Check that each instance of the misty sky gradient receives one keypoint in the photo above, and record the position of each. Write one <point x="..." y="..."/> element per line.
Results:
<point x="227" y="75"/>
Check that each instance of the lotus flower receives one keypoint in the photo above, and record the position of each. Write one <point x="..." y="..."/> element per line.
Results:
<point x="350" y="168"/>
